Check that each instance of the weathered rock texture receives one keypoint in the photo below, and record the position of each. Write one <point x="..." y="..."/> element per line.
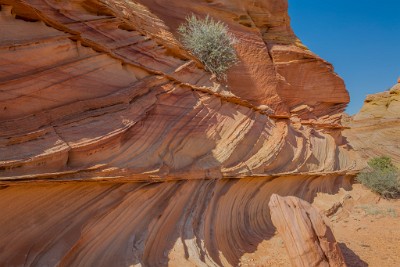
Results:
<point x="176" y="223"/>
<point x="375" y="130"/>
<point x="307" y="237"/>
<point x="102" y="90"/>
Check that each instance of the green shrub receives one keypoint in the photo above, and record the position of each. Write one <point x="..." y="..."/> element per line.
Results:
<point x="381" y="177"/>
<point x="211" y="43"/>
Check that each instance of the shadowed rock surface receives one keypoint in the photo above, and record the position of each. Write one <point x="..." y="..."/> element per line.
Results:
<point x="176" y="223"/>
<point x="102" y="91"/>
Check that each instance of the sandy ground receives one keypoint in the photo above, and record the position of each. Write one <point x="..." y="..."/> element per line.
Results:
<point x="366" y="227"/>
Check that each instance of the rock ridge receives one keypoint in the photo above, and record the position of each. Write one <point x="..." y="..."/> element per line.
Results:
<point x="55" y="124"/>
<point x="373" y="131"/>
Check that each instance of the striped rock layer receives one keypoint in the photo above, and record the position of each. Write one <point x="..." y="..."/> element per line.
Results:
<point x="374" y="131"/>
<point x="117" y="148"/>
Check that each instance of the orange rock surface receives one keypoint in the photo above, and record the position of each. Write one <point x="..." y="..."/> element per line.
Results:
<point x="308" y="238"/>
<point x="98" y="90"/>
<point x="103" y="89"/>
<point x="220" y="222"/>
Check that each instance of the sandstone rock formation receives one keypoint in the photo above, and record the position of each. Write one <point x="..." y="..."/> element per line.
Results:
<point x="308" y="239"/>
<point x="99" y="90"/>
<point x="176" y="223"/>
<point x="90" y="90"/>
<point x="374" y="131"/>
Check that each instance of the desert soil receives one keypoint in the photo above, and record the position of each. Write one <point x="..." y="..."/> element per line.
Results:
<point x="366" y="226"/>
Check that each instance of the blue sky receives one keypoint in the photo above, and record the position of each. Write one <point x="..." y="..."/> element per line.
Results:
<point x="361" y="38"/>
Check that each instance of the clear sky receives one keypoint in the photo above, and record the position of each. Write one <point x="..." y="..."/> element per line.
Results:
<point x="361" y="38"/>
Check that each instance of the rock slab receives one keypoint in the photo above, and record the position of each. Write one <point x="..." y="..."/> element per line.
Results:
<point x="308" y="239"/>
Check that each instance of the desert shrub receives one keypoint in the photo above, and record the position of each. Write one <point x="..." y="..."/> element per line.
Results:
<point x="211" y="43"/>
<point x="381" y="177"/>
<point x="375" y="210"/>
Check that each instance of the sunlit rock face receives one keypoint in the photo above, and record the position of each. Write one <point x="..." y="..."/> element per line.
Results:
<point x="103" y="91"/>
<point x="375" y="129"/>
<point x="102" y="88"/>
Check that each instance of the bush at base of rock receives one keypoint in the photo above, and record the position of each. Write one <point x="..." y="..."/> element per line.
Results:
<point x="381" y="177"/>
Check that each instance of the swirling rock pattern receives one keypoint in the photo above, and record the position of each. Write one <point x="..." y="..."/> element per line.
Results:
<point x="178" y="223"/>
<point x="98" y="90"/>
<point x="88" y="89"/>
